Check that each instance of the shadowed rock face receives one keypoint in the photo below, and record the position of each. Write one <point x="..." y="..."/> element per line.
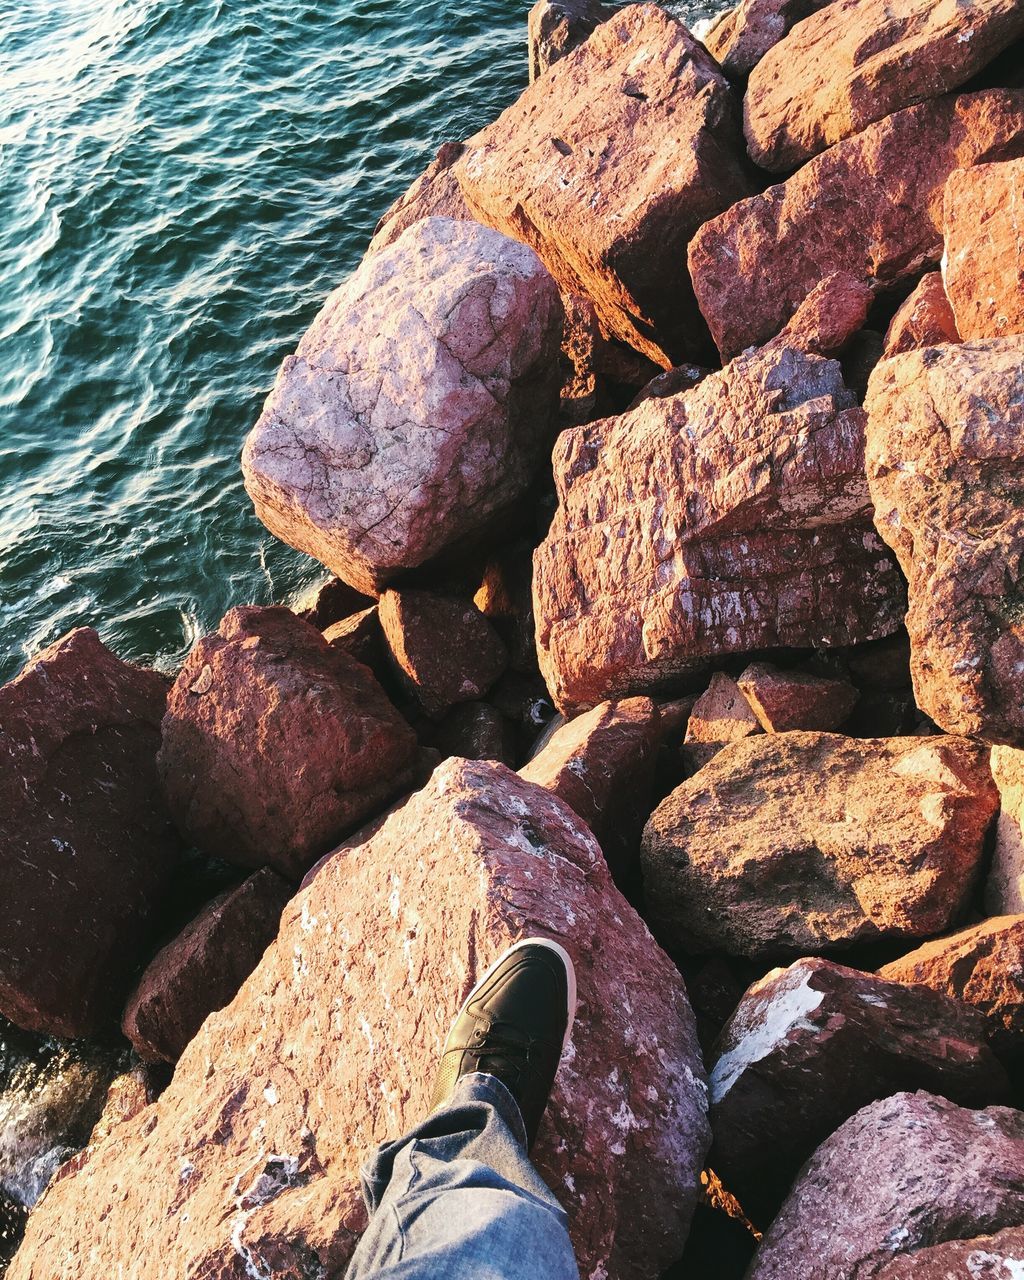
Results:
<point x="925" y="320"/>
<point x="417" y="405"/>
<point x="995" y="1257"/>
<point x="332" y="1044"/>
<point x="945" y="443"/>
<point x="984" y="262"/>
<point x="556" y="27"/>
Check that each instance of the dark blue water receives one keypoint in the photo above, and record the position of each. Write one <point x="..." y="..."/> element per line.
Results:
<point x="181" y="183"/>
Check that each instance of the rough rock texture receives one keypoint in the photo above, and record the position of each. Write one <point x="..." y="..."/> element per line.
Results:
<point x="753" y="265"/>
<point x="331" y="1046"/>
<point x="670" y="383"/>
<point x="834" y="311"/>
<point x="86" y="844"/>
<point x="435" y="194"/>
<point x="556" y="27"/>
<point x="203" y="967"/>
<point x="945" y="443"/>
<point x="444" y="650"/>
<point x="330" y="601"/>
<point x="984" y="263"/>
<point x="730" y="518"/>
<point x="608" y="164"/>
<point x="275" y="745"/>
<point x="1004" y="888"/>
<point x="719" y="716"/>
<point x="805" y="841"/>
<point x="904" y="1173"/>
<point x="810" y="1045"/>
<point x="360" y="636"/>
<point x="995" y="1257"/>
<point x="741" y="38"/>
<point x="417" y="405"/>
<point x="783" y="700"/>
<point x="477" y="731"/>
<point x="983" y="966"/>
<point x="925" y="320"/>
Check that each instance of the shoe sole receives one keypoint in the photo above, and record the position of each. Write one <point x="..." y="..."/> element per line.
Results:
<point x="570" y="973"/>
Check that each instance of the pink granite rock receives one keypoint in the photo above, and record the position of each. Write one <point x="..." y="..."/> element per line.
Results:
<point x="925" y="320"/>
<point x="744" y="34"/>
<point x="418" y="404"/>
<point x="992" y="1257"/>
<point x="1004" y="888"/>
<point x="983" y="268"/>
<point x="784" y="700"/>
<point x="435" y="194"/>
<point x="556" y="27"/>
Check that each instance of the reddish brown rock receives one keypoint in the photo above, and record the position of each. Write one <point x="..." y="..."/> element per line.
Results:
<point x="275" y="745"/>
<point x="995" y="1257"/>
<point x="608" y="164"/>
<point x="810" y="1045"/>
<point x="833" y="312"/>
<point x="505" y="598"/>
<point x="783" y="700"/>
<point x="984" y="967"/>
<point x="445" y="650"/>
<point x="904" y="1173"/>
<point x="745" y="33"/>
<point x="477" y="731"/>
<point x="556" y="27"/>
<point x="983" y="266"/>
<point x="799" y="842"/>
<point x="331" y="1046"/>
<point x="86" y="844"/>
<point x="1004" y="889"/>
<point x="360" y="636"/>
<point x="945" y="444"/>
<point x="924" y="320"/>
<point x="203" y="967"/>
<point x="753" y="265"/>
<point x="329" y="602"/>
<point x="719" y="716"/>
<point x="730" y="518"/>
<point x="856" y="61"/>
<point x="670" y="383"/>
<point x="435" y="194"/>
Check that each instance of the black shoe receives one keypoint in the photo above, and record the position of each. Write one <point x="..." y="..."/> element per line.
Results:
<point x="514" y="1025"/>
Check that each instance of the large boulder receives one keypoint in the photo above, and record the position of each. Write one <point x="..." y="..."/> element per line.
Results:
<point x="332" y="1046"/>
<point x="809" y="1045"/>
<point x="904" y="1173"/>
<point x="753" y="265"/>
<point x="799" y="842"/>
<point x="745" y="33"/>
<point x="855" y="61"/>
<point x="945" y="443"/>
<point x="732" y="517"/>
<point x="556" y="27"/>
<point x="608" y="164"/>
<point x="925" y="319"/>
<point x="275" y="744"/>
<point x="994" y="1257"/>
<point x="983" y="267"/>
<point x="86" y="843"/>
<point x="416" y="406"/>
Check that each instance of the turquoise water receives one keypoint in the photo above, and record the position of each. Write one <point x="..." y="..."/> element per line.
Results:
<point x="182" y="182"/>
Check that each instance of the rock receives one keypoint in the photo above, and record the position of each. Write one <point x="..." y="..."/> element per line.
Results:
<point x="1004" y="889"/>
<point x="203" y="967"/>
<point x="329" y="602"/>
<point x="435" y="194"/>
<point x="608" y="164"/>
<point x="477" y="731"/>
<point x="86" y="843"/>
<point x="856" y="61"/>
<point x="417" y="405"/>
<point x="983" y="268"/>
<point x="784" y="700"/>
<point x="275" y="745"/>
<point x="444" y="650"/>
<point x="505" y="598"/>
<point x="719" y="716"/>
<point x="944" y="451"/>
<point x="833" y="312"/>
<point x="902" y="1174"/>
<point x="602" y="765"/>
<point x="995" y="1257"/>
<point x="801" y="842"/>
<point x="129" y="1094"/>
<point x="745" y="34"/>
<point x="810" y="1045"/>
<point x="924" y="320"/>
<point x="332" y="1044"/>
<point x="360" y="636"/>
<point x="981" y="966"/>
<point x="753" y="265"/>
<point x="731" y="518"/>
<point x="556" y="27"/>
<point x="670" y="383"/>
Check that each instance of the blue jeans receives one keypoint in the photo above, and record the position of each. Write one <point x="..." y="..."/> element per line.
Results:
<point x="458" y="1199"/>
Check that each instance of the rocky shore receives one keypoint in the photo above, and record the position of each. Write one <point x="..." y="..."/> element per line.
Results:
<point x="666" y="452"/>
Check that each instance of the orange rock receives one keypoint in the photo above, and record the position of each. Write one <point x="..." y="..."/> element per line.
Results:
<point x="744" y="34"/>
<point x="984" y="262"/>
<point x="719" y="716"/>
<point x="925" y="320"/>
<point x="784" y="700"/>
<point x="1004" y="889"/>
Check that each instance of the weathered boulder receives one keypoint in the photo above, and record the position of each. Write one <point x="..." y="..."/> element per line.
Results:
<point x="753" y="265"/>
<point x="729" y="518"/>
<point x="784" y="700"/>
<point x="983" y="267"/>
<point x="799" y="842"/>
<point x="416" y="407"/>
<point x="945" y="442"/>
<point x="925" y="320"/>
<point x="994" y="1257"/>
<point x="984" y="967"/>
<point x="443" y="649"/>
<point x="834" y="311"/>
<point x="1004" y="888"/>
<point x="332" y="1045"/>
<point x="328" y="602"/>
<point x="275" y="744"/>
<point x="810" y="1045"/>
<point x="556" y="27"/>
<point x="361" y="637"/>
<point x="719" y="716"/>
<point x="856" y="61"/>
<point x="435" y="194"/>
<point x="477" y="731"/>
<point x="86" y="843"/>
<point x="203" y="967"/>
<point x="608" y="164"/>
<point x="904" y="1173"/>
<point x="744" y="34"/>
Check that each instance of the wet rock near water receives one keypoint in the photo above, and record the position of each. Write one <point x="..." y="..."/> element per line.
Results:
<point x="557" y="27"/>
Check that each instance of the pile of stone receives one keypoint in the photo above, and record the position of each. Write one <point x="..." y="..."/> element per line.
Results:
<point x="667" y="455"/>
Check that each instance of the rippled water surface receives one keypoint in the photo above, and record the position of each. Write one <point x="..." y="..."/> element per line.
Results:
<point x="182" y="182"/>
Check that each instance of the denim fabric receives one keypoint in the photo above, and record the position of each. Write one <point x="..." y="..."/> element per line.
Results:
<point x="458" y="1199"/>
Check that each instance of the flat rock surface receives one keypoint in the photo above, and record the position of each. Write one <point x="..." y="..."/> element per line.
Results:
<point x="925" y="320"/>
<point x="805" y="841"/>
<point x="332" y="1044"/>
<point x="984" y="233"/>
